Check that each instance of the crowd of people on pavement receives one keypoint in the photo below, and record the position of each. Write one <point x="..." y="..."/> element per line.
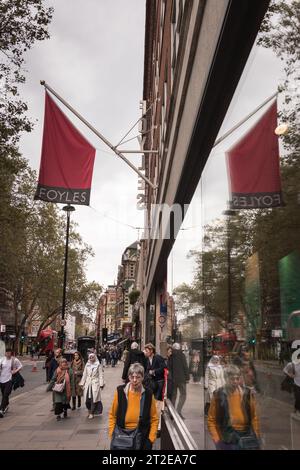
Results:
<point x="230" y="389"/>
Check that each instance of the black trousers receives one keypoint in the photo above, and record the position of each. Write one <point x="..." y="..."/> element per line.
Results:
<point x="6" y="389"/>
<point x="297" y="397"/>
<point x="182" y="397"/>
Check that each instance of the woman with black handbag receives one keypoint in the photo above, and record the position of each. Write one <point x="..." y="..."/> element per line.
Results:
<point x="133" y="419"/>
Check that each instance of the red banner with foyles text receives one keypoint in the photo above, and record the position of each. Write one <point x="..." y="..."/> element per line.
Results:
<point x="67" y="160"/>
<point x="253" y="166"/>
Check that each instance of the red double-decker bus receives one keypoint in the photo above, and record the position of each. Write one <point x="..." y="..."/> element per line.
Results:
<point x="47" y="340"/>
<point x="223" y="343"/>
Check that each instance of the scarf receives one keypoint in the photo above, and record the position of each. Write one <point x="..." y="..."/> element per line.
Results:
<point x="63" y="374"/>
<point x="77" y="363"/>
<point x="93" y="365"/>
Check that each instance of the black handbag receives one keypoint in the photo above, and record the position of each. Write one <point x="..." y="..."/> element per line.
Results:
<point x="128" y="439"/>
<point x="287" y="385"/>
<point x="17" y="381"/>
<point x="249" y="442"/>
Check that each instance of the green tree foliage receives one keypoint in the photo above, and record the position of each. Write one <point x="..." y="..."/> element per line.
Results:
<point x="22" y="23"/>
<point x="272" y="233"/>
<point x="280" y="32"/>
<point x="32" y="259"/>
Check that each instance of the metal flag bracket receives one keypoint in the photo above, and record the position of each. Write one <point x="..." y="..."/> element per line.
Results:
<point x="98" y="134"/>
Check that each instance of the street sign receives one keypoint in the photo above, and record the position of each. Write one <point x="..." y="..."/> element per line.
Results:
<point x="63" y="322"/>
<point x="2" y="328"/>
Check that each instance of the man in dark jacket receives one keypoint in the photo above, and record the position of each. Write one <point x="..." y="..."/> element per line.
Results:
<point x="179" y="372"/>
<point x="55" y="362"/>
<point x="135" y="355"/>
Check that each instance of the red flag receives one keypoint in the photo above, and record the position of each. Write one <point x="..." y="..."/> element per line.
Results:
<point x="67" y="160"/>
<point x="253" y="166"/>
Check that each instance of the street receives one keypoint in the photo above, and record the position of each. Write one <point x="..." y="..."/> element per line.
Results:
<point x="29" y="424"/>
<point x="32" y="379"/>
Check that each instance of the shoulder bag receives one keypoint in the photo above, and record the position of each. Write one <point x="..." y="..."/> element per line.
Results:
<point x="59" y="387"/>
<point x="128" y="439"/>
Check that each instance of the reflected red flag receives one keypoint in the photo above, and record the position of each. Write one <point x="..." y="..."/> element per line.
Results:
<point x="67" y="160"/>
<point x="253" y="166"/>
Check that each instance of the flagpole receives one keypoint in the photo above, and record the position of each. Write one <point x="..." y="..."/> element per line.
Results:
<point x="98" y="134"/>
<point x="68" y="209"/>
<point x="228" y="133"/>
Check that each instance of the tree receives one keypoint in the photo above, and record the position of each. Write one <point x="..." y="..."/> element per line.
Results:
<point x="280" y="31"/>
<point x="22" y="23"/>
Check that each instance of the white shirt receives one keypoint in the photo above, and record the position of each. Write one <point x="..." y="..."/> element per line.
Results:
<point x="6" y="368"/>
<point x="289" y="370"/>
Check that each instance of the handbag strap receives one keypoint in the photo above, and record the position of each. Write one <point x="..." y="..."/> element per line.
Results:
<point x="142" y="402"/>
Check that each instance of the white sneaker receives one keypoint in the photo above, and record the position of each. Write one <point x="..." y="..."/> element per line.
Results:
<point x="1" y="414"/>
<point x="90" y="416"/>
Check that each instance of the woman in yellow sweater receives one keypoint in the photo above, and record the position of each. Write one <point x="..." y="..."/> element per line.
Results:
<point x="232" y="419"/>
<point x="133" y="408"/>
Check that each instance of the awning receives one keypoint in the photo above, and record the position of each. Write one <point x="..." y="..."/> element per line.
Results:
<point x="124" y="340"/>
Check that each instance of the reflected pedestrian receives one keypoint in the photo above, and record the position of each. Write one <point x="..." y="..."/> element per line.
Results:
<point x="232" y="418"/>
<point x="195" y="367"/>
<point x="214" y="379"/>
<point x="180" y="376"/>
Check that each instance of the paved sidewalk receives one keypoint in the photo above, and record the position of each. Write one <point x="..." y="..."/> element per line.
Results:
<point x="29" y="424"/>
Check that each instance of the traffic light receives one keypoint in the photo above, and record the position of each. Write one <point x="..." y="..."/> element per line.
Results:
<point x="23" y="336"/>
<point x="104" y="335"/>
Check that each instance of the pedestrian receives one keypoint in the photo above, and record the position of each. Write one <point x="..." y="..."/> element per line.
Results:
<point x="32" y="350"/>
<point x="214" y="379"/>
<point x="55" y="361"/>
<point x="133" y="411"/>
<point x="125" y="355"/>
<point x="244" y="362"/>
<point x="134" y="355"/>
<point x="77" y="365"/>
<point x="232" y="418"/>
<point x="114" y="357"/>
<point x="292" y="370"/>
<point x="107" y="357"/>
<point x="178" y="368"/>
<point x="50" y="356"/>
<point x="62" y="386"/>
<point x="195" y="366"/>
<point x="92" y="382"/>
<point x="168" y="365"/>
<point x="9" y="366"/>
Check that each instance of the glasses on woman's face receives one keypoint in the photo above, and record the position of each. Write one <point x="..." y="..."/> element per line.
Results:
<point x="135" y="378"/>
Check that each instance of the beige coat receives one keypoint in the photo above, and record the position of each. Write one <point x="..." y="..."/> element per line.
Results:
<point x="94" y="378"/>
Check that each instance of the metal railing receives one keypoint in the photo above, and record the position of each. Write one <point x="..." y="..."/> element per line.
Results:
<point x="174" y="433"/>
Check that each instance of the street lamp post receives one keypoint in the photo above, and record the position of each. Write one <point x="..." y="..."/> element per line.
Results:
<point x="105" y="314"/>
<point x="68" y="209"/>
<point x="229" y="213"/>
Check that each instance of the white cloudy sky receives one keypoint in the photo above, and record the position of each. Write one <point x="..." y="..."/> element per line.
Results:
<point x="94" y="59"/>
